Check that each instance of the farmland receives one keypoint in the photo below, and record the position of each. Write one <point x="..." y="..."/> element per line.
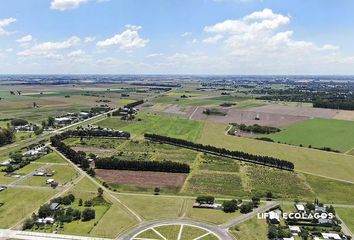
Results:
<point x="307" y="160"/>
<point x="169" y="126"/>
<point x="319" y="133"/>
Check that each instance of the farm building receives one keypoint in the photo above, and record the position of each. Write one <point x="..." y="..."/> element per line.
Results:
<point x="205" y="205"/>
<point x="331" y="236"/>
<point x="2" y="188"/>
<point x="49" y="181"/>
<point x="295" y="230"/>
<point x="54" y="206"/>
<point x="274" y="217"/>
<point x="300" y="207"/>
<point x="47" y="220"/>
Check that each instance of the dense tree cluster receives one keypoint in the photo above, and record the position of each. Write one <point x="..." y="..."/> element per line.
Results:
<point x="134" y="104"/>
<point x="255" y="128"/>
<point x="7" y="136"/>
<point x="76" y="157"/>
<point x="93" y="132"/>
<point x="19" y="122"/>
<point x="205" y="199"/>
<point x="262" y="160"/>
<point x="154" y="166"/>
<point x="345" y="105"/>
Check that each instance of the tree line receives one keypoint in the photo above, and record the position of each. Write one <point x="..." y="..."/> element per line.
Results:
<point x="345" y="105"/>
<point x="134" y="104"/>
<point x="243" y="156"/>
<point x="93" y="132"/>
<point x="154" y="166"/>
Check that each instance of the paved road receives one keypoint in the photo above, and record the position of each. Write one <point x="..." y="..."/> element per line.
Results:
<point x="221" y="233"/>
<point x="23" y="178"/>
<point x="248" y="216"/>
<point x="5" y="233"/>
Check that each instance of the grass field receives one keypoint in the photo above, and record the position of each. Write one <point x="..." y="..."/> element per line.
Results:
<point x="336" y="134"/>
<point x="318" y="162"/>
<point x="151" y="123"/>
<point x="250" y="230"/>
<point x="19" y="203"/>
<point x="346" y="214"/>
<point x="52" y="157"/>
<point x="154" y="207"/>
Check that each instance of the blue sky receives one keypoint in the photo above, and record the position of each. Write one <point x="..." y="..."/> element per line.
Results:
<point x="177" y="36"/>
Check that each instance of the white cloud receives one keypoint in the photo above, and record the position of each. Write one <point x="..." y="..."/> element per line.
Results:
<point x="213" y="39"/>
<point x="25" y="39"/>
<point x="259" y="35"/>
<point x="63" y="5"/>
<point x="76" y="53"/>
<point x="5" y="23"/>
<point x="186" y="34"/>
<point x="128" y="39"/>
<point x="152" y="55"/>
<point x="89" y="39"/>
<point x="50" y="49"/>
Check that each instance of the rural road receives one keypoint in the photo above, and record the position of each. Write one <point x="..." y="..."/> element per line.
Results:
<point x="23" y="178"/>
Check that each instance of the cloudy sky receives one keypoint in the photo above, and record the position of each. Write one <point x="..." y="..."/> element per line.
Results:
<point x="177" y="36"/>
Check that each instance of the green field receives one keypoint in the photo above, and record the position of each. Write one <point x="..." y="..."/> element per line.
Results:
<point x="336" y="134"/>
<point x="20" y="203"/>
<point x="346" y="214"/>
<point x="250" y="230"/>
<point x="318" y="162"/>
<point x="152" y="123"/>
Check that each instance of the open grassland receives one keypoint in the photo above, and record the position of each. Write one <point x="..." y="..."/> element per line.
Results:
<point x="336" y="134"/>
<point x="250" y="230"/>
<point x="198" y="101"/>
<point x="154" y="207"/>
<point x="19" y="203"/>
<point x="346" y="214"/>
<point x="52" y="157"/>
<point x="151" y="123"/>
<point x="331" y="191"/>
<point x="318" y="162"/>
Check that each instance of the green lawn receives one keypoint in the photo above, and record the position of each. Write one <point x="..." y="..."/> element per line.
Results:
<point x="52" y="157"/>
<point x="346" y="214"/>
<point x="250" y="230"/>
<point x="336" y="134"/>
<point x="308" y="160"/>
<point x="20" y="203"/>
<point x="154" y="207"/>
<point x="152" y="123"/>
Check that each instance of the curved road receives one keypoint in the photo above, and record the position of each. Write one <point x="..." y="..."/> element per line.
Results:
<point x="221" y="233"/>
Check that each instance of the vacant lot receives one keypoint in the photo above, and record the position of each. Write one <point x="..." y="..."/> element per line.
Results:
<point x="20" y="203"/>
<point x="345" y="115"/>
<point x="346" y="214"/>
<point x="307" y="160"/>
<point x="336" y="134"/>
<point x="252" y="229"/>
<point x="142" y="178"/>
<point x="248" y="117"/>
<point x="152" y="123"/>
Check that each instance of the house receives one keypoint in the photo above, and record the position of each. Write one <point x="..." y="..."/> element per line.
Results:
<point x="319" y="209"/>
<point x="291" y="238"/>
<point x="274" y="217"/>
<point x="62" y="120"/>
<point x="49" y="181"/>
<point x="295" y="230"/>
<point x="54" y="206"/>
<point x="205" y="205"/>
<point x="2" y="188"/>
<point x="300" y="207"/>
<point x="5" y="163"/>
<point x="84" y="115"/>
<point x="331" y="236"/>
<point x="47" y="220"/>
<point x="325" y="222"/>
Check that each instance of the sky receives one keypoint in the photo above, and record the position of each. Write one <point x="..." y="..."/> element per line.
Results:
<point x="177" y="37"/>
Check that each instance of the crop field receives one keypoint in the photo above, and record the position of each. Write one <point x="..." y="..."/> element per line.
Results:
<point x="151" y="123"/>
<point x="169" y="180"/>
<point x="216" y="163"/>
<point x="329" y="191"/>
<point x="27" y="200"/>
<point x="336" y="134"/>
<point x="312" y="161"/>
